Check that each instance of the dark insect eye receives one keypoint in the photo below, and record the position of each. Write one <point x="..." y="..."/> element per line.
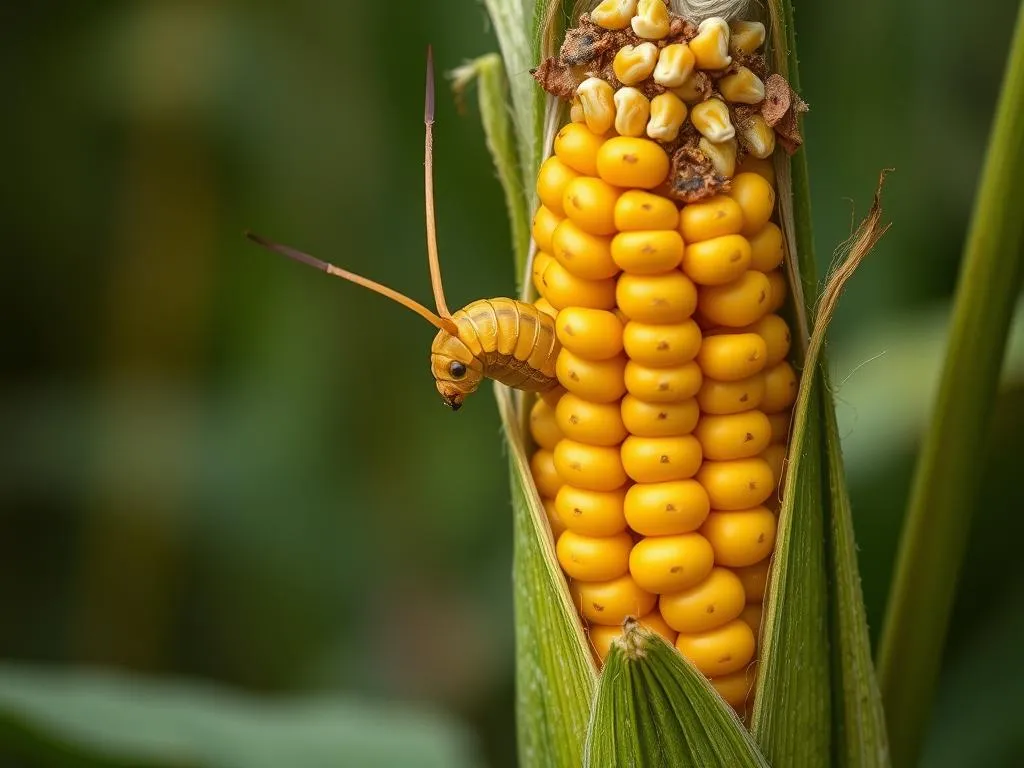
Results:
<point x="456" y="369"/>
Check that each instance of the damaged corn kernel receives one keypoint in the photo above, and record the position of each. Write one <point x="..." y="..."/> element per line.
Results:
<point x="711" y="45"/>
<point x="742" y="87"/>
<point x="668" y="113"/>
<point x="722" y="155"/>
<point x="651" y="21"/>
<point x="746" y="36"/>
<point x="757" y="137"/>
<point x="634" y="63"/>
<point x="675" y="64"/>
<point x="711" y="118"/>
<point x="632" y="111"/>
<point x="613" y="14"/>
<point x="596" y="97"/>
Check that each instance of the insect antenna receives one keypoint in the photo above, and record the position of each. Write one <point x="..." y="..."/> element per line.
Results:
<point x="428" y="168"/>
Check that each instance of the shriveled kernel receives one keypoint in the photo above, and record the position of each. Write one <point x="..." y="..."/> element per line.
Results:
<point x="632" y="111"/>
<point x="746" y="36"/>
<point x="757" y="137"/>
<point x="552" y="179"/>
<point x="665" y="509"/>
<point x="668" y="113"/>
<point x="663" y="385"/>
<point x="736" y="687"/>
<point x="544" y="222"/>
<point x="545" y="306"/>
<point x="602" y="637"/>
<point x="740" y="538"/>
<point x="611" y="602"/>
<point x="671" y="563"/>
<point x="647" y="252"/>
<point x="733" y="436"/>
<point x="775" y="455"/>
<point x="719" y="651"/>
<point x="710" y="218"/>
<point x="711" y="45"/>
<point x="596" y="97"/>
<point x="659" y="459"/>
<point x="667" y="298"/>
<point x="557" y="526"/>
<point x="717" y="261"/>
<point x="661" y="345"/>
<point x="778" y="288"/>
<point x="736" y="484"/>
<point x="724" y="397"/>
<point x="638" y="210"/>
<point x="659" y="419"/>
<point x="651" y="21"/>
<point x="564" y="289"/>
<point x="675" y="64"/>
<point x="780" y="385"/>
<point x="742" y="87"/>
<point x="756" y="198"/>
<point x="545" y="473"/>
<point x="766" y="250"/>
<point x="600" y="381"/>
<point x="715" y="601"/>
<point x="755" y="579"/>
<point x="780" y="426"/>
<point x="589" y="422"/>
<point x="541" y="261"/>
<point x="712" y="119"/>
<point x="762" y="167"/>
<point x="634" y="63"/>
<point x="543" y="425"/>
<point x="594" y="513"/>
<point x="576" y="146"/>
<point x="576" y="111"/>
<point x="626" y="161"/>
<point x="613" y="14"/>
<point x="593" y="558"/>
<point x="594" y="467"/>
<point x="777" y="338"/>
<point x="585" y="255"/>
<point x="732" y="356"/>
<point x="594" y="334"/>
<point x="722" y="155"/>
<point x="693" y="88"/>
<point x="590" y="202"/>
<point x="741" y="302"/>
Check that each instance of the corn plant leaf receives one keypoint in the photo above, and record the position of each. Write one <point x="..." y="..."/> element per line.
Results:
<point x="655" y="710"/>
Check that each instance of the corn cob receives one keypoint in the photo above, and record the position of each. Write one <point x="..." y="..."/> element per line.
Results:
<point x="656" y="253"/>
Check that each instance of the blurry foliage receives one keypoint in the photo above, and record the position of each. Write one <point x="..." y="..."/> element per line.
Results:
<point x="218" y="464"/>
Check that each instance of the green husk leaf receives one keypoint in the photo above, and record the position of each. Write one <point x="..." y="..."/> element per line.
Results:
<point x="655" y="710"/>
<point x="948" y="474"/>
<point x="555" y="672"/>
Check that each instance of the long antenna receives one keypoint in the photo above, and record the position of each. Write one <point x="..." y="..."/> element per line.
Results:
<point x="444" y="323"/>
<point x="428" y="166"/>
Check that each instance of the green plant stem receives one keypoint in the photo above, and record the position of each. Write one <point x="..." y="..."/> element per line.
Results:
<point x="949" y="470"/>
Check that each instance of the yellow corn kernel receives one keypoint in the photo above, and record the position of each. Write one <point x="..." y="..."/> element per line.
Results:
<point x="755" y="579"/>
<point x="720" y="398"/>
<point x="632" y="110"/>
<point x="659" y="419"/>
<point x="736" y="484"/>
<point x="722" y="155"/>
<point x="756" y="198"/>
<point x="541" y="261"/>
<point x="715" y="601"/>
<point x="545" y="306"/>
<point x="736" y="687"/>
<point x="775" y="455"/>
<point x="675" y="64"/>
<point x="545" y="473"/>
<point x="594" y="467"/>
<point x="711" y="118"/>
<point x="634" y="63"/>
<point x="761" y="166"/>
<point x="585" y="255"/>
<point x="626" y="161"/>
<point x="659" y="459"/>
<point x="663" y="564"/>
<point x="742" y="87"/>
<point x="751" y="615"/>
<point x="717" y="261"/>
<point x="591" y="423"/>
<point x="593" y="558"/>
<point x="590" y="202"/>
<point x="596" y="97"/>
<point x="613" y="14"/>
<point x="732" y="356"/>
<point x="651" y="21"/>
<point x="543" y="425"/>
<point x="602" y="637"/>
<point x="552" y="179"/>
<point x="638" y="210"/>
<point x="741" y="302"/>
<point x="557" y="527"/>
<point x="780" y="426"/>
<point x="576" y="146"/>
<point x="576" y="111"/>
<point x="746" y="36"/>
<point x="757" y="137"/>
<point x="593" y="513"/>
<point x="544" y="222"/>
<point x="777" y="338"/>
<point x="667" y="298"/>
<point x="666" y="509"/>
<point x="611" y="602"/>
<point x="720" y="651"/>
<point x="594" y="334"/>
<point x="692" y="89"/>
<point x="740" y="538"/>
<point x="711" y="45"/>
<point x="779" y="289"/>
<point x="659" y="345"/>
<point x="733" y="436"/>
<point x="649" y="252"/>
<point x="714" y="217"/>
<point x="780" y="385"/>
<point x="766" y="250"/>
<point x="668" y="113"/>
<point x="599" y="381"/>
<point x="663" y="385"/>
<point x="563" y="289"/>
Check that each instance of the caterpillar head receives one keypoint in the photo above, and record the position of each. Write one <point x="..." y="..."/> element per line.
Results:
<point x="457" y="371"/>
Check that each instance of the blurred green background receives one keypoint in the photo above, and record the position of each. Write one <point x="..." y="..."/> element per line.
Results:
<point x="221" y="465"/>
